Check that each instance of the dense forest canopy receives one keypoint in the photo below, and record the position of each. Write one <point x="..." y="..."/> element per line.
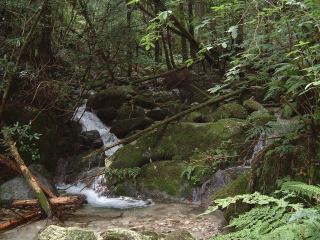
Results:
<point x="170" y="76"/>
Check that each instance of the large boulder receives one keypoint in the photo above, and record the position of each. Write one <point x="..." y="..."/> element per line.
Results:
<point x="54" y="232"/>
<point x="90" y="139"/>
<point x="122" y="128"/>
<point x="261" y="118"/>
<point x="111" y="97"/>
<point x="157" y="114"/>
<point x="251" y="105"/>
<point x="145" y="102"/>
<point x="18" y="189"/>
<point x="128" y="111"/>
<point x="106" y="115"/>
<point x="230" y="110"/>
<point x="164" y="178"/>
<point x="180" y="141"/>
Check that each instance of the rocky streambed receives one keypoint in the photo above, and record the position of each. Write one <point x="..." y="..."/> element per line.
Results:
<point x="161" y="219"/>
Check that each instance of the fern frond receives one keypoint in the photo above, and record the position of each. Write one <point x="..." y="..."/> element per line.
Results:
<point x="301" y="188"/>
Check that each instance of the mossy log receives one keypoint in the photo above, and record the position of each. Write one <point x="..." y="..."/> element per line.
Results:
<point x="28" y="175"/>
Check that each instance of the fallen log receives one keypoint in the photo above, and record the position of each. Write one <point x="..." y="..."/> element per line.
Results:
<point x="20" y="220"/>
<point x="65" y="202"/>
<point x="168" y="120"/>
<point x="12" y="166"/>
<point x="27" y="174"/>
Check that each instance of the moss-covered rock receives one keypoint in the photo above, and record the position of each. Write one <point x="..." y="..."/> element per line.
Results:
<point x="122" y="128"/>
<point x="165" y="177"/>
<point x="179" y="235"/>
<point x="54" y="232"/>
<point x="179" y="141"/>
<point x="106" y="115"/>
<point x="111" y="97"/>
<point x="251" y="105"/>
<point x="230" y="110"/>
<point x="122" y="234"/>
<point x="128" y="111"/>
<point x="261" y="118"/>
<point x="196" y="117"/>
<point x="236" y="187"/>
<point x="144" y="102"/>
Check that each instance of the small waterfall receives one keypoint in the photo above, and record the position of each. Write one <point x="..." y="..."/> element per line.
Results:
<point x="89" y="121"/>
<point x="95" y="191"/>
<point x="259" y="146"/>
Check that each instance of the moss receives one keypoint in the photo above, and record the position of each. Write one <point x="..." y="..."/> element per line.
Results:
<point x="230" y="110"/>
<point x="236" y="187"/>
<point x="179" y="141"/>
<point x="165" y="176"/>
<point x="261" y="118"/>
<point x="252" y="105"/>
<point x="54" y="232"/>
<point x="122" y="234"/>
<point x="144" y="102"/>
<point x="111" y="97"/>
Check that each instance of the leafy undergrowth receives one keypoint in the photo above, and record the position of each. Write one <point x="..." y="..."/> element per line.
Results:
<point x="292" y="216"/>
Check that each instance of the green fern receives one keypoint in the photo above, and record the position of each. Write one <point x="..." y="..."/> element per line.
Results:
<point x="301" y="188"/>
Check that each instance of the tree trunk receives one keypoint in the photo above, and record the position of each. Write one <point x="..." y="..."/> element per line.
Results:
<point x="184" y="46"/>
<point x="28" y="175"/>
<point x="166" y="52"/>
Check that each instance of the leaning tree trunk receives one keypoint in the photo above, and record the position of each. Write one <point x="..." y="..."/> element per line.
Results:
<point x="28" y="175"/>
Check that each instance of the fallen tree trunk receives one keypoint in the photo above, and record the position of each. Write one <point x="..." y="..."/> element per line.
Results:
<point x="28" y="175"/>
<point x="20" y="220"/>
<point x="65" y="202"/>
<point x="170" y="119"/>
<point x="12" y="166"/>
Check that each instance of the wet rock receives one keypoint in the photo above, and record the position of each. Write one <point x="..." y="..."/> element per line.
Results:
<point x="122" y="128"/>
<point x="230" y="110"/>
<point x="91" y="139"/>
<point x="157" y="114"/>
<point x="122" y="234"/>
<point x="179" y="141"/>
<point x="18" y="189"/>
<point x="222" y="179"/>
<point x="251" y="105"/>
<point x="179" y="235"/>
<point x="54" y="232"/>
<point x="106" y="115"/>
<point x="164" y="177"/>
<point x="261" y="118"/>
<point x="128" y="111"/>
<point x="111" y="97"/>
<point x="145" y="102"/>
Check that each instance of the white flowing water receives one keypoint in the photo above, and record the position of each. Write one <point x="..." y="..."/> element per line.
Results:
<point x="96" y="192"/>
<point x="89" y="121"/>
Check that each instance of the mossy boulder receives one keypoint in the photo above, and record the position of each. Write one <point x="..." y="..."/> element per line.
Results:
<point x="122" y="128"/>
<point x="230" y="110"/>
<point x="128" y="111"/>
<point x="236" y="187"/>
<point x="251" y="105"/>
<point x="106" y="115"/>
<point x="157" y="114"/>
<point x="261" y="118"/>
<point x="164" y="177"/>
<point x="54" y="232"/>
<point x="196" y="117"/>
<point x="122" y="234"/>
<point x="145" y="102"/>
<point x="179" y="235"/>
<point x="179" y="141"/>
<point x="111" y="97"/>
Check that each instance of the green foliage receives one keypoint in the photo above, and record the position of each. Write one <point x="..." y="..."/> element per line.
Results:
<point x="271" y="217"/>
<point x="301" y="188"/>
<point x="25" y="139"/>
<point x="124" y="174"/>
